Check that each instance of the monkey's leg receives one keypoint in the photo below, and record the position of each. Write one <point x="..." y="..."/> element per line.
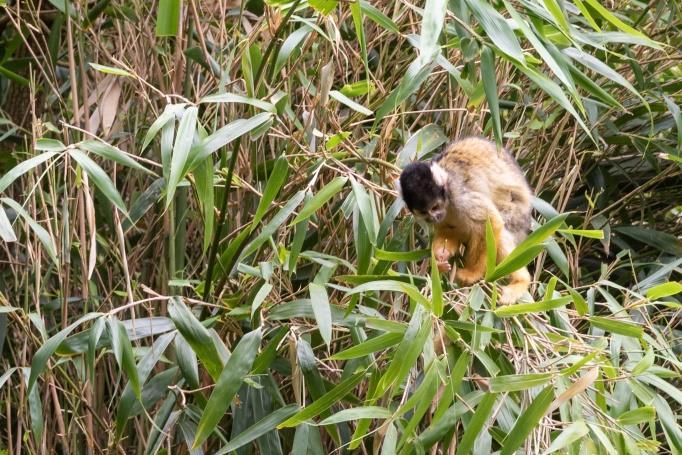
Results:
<point x="476" y="253"/>
<point x="474" y="262"/>
<point x="445" y="245"/>
<point x="519" y="280"/>
<point x="480" y="210"/>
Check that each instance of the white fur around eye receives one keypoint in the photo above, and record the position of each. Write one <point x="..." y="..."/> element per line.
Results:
<point x="440" y="176"/>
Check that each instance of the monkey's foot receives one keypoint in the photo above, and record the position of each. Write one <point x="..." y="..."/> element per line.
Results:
<point x="511" y="294"/>
<point x="466" y="277"/>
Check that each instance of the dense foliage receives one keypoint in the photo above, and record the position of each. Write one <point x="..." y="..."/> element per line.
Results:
<point x="202" y="248"/>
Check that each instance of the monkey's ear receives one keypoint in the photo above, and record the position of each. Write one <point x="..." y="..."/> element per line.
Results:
<point x="440" y="175"/>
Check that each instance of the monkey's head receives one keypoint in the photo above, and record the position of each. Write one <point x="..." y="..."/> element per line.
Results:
<point x="423" y="187"/>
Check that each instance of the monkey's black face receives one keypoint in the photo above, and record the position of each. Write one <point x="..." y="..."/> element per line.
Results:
<point x="422" y="195"/>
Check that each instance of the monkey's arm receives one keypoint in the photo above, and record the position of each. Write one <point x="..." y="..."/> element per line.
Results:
<point x="445" y="244"/>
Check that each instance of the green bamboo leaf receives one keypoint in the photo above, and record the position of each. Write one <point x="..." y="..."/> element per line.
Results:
<point x="322" y="196"/>
<point x="415" y="75"/>
<point x="606" y="14"/>
<point x="112" y="153"/>
<point x="6" y="232"/>
<point x="357" y="11"/>
<point x="407" y="352"/>
<point x="49" y="145"/>
<point x="600" y="67"/>
<point x="528" y="249"/>
<point x="274" y="224"/>
<point x="538" y="307"/>
<point x="475" y="426"/>
<point x="101" y="179"/>
<point x="424" y="141"/>
<point x="290" y="44"/>
<point x="431" y="26"/>
<point x="436" y="289"/>
<point x="515" y="262"/>
<point x="5" y="376"/>
<point x="637" y="416"/>
<point x="36" y="412"/>
<point x="343" y="99"/>
<point x="516" y="382"/>
<point x="574" y="432"/>
<point x="225" y="135"/>
<point x="323" y="6"/>
<point x="43" y="354"/>
<point x="368" y="347"/>
<point x="620" y="327"/>
<point x="554" y="91"/>
<point x="169" y="113"/>
<point x="323" y="315"/>
<point x="401" y="256"/>
<point x="163" y="423"/>
<point x="664" y="290"/>
<point x="235" y="98"/>
<point x="277" y="178"/>
<point x="677" y="117"/>
<point x="586" y="13"/>
<point x="196" y="336"/>
<point x="558" y="15"/>
<point x="491" y="250"/>
<point x="490" y="86"/>
<point x="110" y="70"/>
<point x="324" y="402"/>
<point x="168" y="17"/>
<point x="123" y="351"/>
<point x="528" y="421"/>
<point x="203" y="180"/>
<point x="657" y="239"/>
<point x="587" y="233"/>
<point x="497" y="29"/>
<point x="394" y="286"/>
<point x="258" y="429"/>
<point x="144" y="368"/>
<point x="260" y="296"/>
<point x="181" y="150"/>
<point x="40" y="232"/>
<point x="93" y="339"/>
<point x="231" y="378"/>
<point x="363" y="412"/>
<point x="378" y="17"/>
<point x="23" y="167"/>
<point x="364" y="203"/>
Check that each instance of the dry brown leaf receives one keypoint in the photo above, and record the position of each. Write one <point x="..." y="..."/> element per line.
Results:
<point x="576" y="388"/>
<point x="110" y="106"/>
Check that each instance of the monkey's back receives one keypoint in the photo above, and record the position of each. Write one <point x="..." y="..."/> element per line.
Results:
<point x="479" y="167"/>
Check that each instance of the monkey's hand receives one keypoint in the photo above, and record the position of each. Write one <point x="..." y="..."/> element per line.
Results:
<point x="443" y="250"/>
<point x="442" y="258"/>
<point x="466" y="277"/>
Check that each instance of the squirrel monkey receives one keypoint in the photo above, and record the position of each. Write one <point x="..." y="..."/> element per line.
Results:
<point x="458" y="191"/>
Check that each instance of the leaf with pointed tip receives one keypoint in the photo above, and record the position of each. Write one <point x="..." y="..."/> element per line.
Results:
<point x="101" y="179"/>
<point x="43" y="354"/>
<point x="231" y="378"/>
<point x="111" y="153"/>
<point x="23" y="167"/>
<point x="196" y="335"/>
<point x="181" y="150"/>
<point x="320" y="198"/>
<point x="37" y="229"/>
